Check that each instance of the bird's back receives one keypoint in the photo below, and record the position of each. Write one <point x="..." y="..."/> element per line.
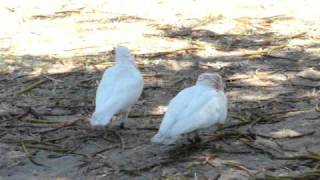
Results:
<point x="119" y="84"/>
<point x="198" y="107"/>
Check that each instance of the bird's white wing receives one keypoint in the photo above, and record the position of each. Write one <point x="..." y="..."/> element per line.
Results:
<point x="107" y="86"/>
<point x="119" y="89"/>
<point x="129" y="89"/>
<point x="119" y="85"/>
<point x="175" y="107"/>
<point x="203" y="110"/>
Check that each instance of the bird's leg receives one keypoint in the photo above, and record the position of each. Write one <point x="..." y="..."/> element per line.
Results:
<point x="124" y="118"/>
<point x="219" y="125"/>
<point x="195" y="138"/>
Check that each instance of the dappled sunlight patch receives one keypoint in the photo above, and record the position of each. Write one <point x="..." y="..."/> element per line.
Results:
<point x="154" y="45"/>
<point x="258" y="78"/>
<point x="309" y="43"/>
<point x="252" y="95"/>
<point x="160" y="109"/>
<point x="218" y="65"/>
<point x="149" y="111"/>
<point x="257" y="82"/>
<point x="61" y="68"/>
<point x="303" y="112"/>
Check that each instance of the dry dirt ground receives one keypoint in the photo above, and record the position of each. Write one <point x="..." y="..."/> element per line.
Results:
<point x="53" y="54"/>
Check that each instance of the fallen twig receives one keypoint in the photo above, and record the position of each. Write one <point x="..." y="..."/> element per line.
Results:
<point x="120" y="138"/>
<point x="60" y="126"/>
<point x="147" y="128"/>
<point x="32" y="86"/>
<point x="263" y="52"/>
<point x="314" y="174"/>
<point x="24" y="148"/>
<point x="233" y="125"/>
<point x="137" y="115"/>
<point x="18" y="116"/>
<point x="101" y="151"/>
<point x="56" y="139"/>
<point x="52" y="79"/>
<point x="34" y="113"/>
<point x="263" y="151"/>
<point x="239" y="166"/>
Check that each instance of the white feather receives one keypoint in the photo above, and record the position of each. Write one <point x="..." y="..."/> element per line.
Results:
<point x="119" y="89"/>
<point x="196" y="107"/>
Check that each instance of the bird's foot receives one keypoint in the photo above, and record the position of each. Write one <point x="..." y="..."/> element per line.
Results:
<point x="123" y="116"/>
<point x="122" y="125"/>
<point x="195" y="139"/>
<point x="219" y="126"/>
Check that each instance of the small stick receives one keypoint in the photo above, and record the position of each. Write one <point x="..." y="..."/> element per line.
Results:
<point x="40" y="121"/>
<point x="24" y="148"/>
<point x="120" y="138"/>
<point x="238" y="166"/>
<point x="52" y="79"/>
<point x="233" y="125"/>
<point x="18" y="116"/>
<point x="35" y="114"/>
<point x="147" y="128"/>
<point x="56" y="139"/>
<point x="136" y="115"/>
<point x="101" y="151"/>
<point x="32" y="86"/>
<point x="60" y="127"/>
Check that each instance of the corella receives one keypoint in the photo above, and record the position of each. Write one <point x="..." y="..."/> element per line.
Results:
<point x="200" y="106"/>
<point x="119" y="89"/>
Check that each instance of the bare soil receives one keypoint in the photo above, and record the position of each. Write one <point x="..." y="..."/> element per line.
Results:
<point x="53" y="54"/>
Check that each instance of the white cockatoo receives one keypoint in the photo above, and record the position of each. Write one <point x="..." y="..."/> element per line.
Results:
<point x="119" y="89"/>
<point x="200" y="106"/>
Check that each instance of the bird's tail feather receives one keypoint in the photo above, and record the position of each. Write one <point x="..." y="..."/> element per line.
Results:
<point x="161" y="139"/>
<point x="100" y="119"/>
<point x="102" y="115"/>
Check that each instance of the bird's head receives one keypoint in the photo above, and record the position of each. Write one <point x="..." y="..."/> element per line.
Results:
<point x="123" y="54"/>
<point x="211" y="79"/>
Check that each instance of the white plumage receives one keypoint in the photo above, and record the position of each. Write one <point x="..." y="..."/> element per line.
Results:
<point x="119" y="89"/>
<point x="196" y="107"/>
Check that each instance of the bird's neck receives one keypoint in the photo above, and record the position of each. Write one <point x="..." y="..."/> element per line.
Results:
<point x="203" y="83"/>
<point x="125" y="63"/>
<point x="209" y="86"/>
<point x="215" y="86"/>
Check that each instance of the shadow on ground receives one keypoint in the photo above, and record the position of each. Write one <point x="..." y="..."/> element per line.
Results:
<point x="271" y="128"/>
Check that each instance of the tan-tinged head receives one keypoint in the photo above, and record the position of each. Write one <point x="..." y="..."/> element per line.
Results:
<point x="211" y="79"/>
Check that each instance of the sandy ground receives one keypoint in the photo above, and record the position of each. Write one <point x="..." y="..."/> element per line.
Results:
<point x="53" y="54"/>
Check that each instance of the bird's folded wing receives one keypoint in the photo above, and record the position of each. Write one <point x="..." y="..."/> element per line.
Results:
<point x="107" y="86"/>
<point x="175" y="107"/>
<point x="121" y="86"/>
<point x="201" y="112"/>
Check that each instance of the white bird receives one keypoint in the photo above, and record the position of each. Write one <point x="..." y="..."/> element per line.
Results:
<point x="200" y="106"/>
<point x="119" y="89"/>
